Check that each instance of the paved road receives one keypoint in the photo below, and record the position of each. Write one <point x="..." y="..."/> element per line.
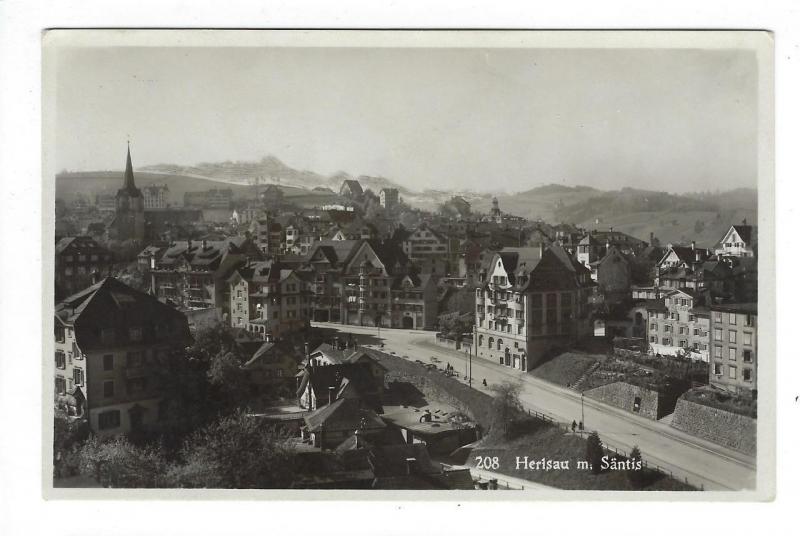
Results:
<point x="686" y="456"/>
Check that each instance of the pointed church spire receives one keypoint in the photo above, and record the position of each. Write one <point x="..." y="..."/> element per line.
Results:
<point x="128" y="183"/>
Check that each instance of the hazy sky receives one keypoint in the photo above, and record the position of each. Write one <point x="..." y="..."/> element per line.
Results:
<point x="675" y="120"/>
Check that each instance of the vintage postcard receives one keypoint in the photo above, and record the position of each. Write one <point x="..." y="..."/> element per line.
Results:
<point x="439" y="265"/>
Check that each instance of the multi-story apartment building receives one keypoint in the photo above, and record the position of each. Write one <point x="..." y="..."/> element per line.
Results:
<point x="678" y="325"/>
<point x="428" y="249"/>
<point x="270" y="300"/>
<point x="531" y="301"/>
<point x="739" y="241"/>
<point x="80" y="261"/>
<point x="108" y="339"/>
<point x="389" y="198"/>
<point x="369" y="283"/>
<point x="156" y="196"/>
<point x="193" y="274"/>
<point x="268" y="234"/>
<point x="734" y="334"/>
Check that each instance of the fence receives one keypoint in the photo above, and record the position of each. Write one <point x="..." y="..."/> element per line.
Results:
<point x="611" y="448"/>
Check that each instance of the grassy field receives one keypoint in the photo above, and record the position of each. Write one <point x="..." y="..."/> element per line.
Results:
<point x="566" y="368"/>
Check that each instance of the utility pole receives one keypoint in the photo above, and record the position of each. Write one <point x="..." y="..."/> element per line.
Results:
<point x="470" y="358"/>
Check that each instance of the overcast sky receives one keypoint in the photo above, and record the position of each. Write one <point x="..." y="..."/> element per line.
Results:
<point x="497" y="120"/>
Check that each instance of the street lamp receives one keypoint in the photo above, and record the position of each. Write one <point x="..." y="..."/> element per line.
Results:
<point x="583" y="423"/>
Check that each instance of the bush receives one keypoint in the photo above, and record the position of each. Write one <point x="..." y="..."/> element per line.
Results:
<point x="117" y="463"/>
<point x="234" y="452"/>
<point x="636" y="476"/>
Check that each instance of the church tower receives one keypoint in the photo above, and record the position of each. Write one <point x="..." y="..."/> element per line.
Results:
<point x="129" y="220"/>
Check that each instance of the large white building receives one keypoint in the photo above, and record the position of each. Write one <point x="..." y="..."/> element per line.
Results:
<point x="531" y="301"/>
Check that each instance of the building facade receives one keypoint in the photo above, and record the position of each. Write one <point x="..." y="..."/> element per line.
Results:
<point x="389" y="197"/>
<point x="531" y="302"/>
<point x="193" y="274"/>
<point x="108" y="340"/>
<point x="678" y="325"/>
<point x="80" y="261"/>
<point x="156" y="196"/>
<point x="269" y="300"/>
<point x="734" y="338"/>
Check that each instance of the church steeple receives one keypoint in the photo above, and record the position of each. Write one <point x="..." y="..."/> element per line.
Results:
<point x="128" y="185"/>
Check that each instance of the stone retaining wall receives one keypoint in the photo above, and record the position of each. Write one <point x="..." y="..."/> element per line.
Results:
<point x="723" y="427"/>
<point x="623" y="395"/>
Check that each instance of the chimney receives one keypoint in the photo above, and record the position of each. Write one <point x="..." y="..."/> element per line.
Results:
<point x="305" y="349"/>
<point x="331" y="391"/>
<point x="357" y="433"/>
<point x="189" y="244"/>
<point x="693" y="245"/>
<point x="205" y="245"/>
<point x="744" y="221"/>
<point x="336" y="342"/>
<point x="651" y="238"/>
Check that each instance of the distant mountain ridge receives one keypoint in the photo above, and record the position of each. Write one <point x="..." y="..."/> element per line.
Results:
<point x="671" y="217"/>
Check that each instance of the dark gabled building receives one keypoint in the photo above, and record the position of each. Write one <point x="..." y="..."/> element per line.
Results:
<point x="108" y="339"/>
<point x="80" y="261"/>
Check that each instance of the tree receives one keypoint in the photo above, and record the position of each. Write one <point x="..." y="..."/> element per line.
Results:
<point x="117" y="463"/>
<point x="594" y="452"/>
<point x="636" y="475"/>
<point x="237" y="452"/>
<point x="506" y="406"/>
<point x="225" y="373"/>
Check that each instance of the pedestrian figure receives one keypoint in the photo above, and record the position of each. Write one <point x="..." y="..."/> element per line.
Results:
<point x="574" y="425"/>
<point x="484" y="382"/>
<point x="580" y="426"/>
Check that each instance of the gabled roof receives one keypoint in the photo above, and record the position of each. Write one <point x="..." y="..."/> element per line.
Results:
<point x="345" y="414"/>
<point x="110" y="304"/>
<point x="323" y="379"/>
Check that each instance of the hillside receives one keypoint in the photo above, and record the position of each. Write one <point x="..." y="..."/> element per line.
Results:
<point x="71" y="185"/>
<point x="703" y="217"/>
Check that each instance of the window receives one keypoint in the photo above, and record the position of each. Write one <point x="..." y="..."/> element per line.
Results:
<point x="135" y="334"/>
<point x="717" y="334"/>
<point x="747" y="338"/>
<point x="61" y="385"/>
<point x="732" y="373"/>
<point x="666" y="342"/>
<point x="108" y="419"/>
<point x="718" y="351"/>
<point x="732" y="354"/>
<point x="59" y="334"/>
<point x="108" y="389"/>
<point x="61" y="360"/>
<point x="732" y="319"/>
<point x="77" y="376"/>
<point x="108" y="362"/>
<point x="717" y="317"/>
<point x="747" y="356"/>
<point x="747" y="375"/>
<point x="717" y="369"/>
<point x="731" y="336"/>
<point x="107" y="335"/>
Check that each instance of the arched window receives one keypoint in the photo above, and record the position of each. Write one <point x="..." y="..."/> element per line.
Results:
<point x="491" y="342"/>
<point x="499" y="343"/>
<point x="480" y="340"/>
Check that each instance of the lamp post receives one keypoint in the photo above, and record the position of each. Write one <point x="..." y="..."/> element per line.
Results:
<point x="583" y="423"/>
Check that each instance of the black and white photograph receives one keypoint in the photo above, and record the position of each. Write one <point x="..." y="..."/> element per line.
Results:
<point x="478" y="262"/>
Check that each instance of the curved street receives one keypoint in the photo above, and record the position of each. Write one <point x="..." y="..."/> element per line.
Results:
<point x="687" y="457"/>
